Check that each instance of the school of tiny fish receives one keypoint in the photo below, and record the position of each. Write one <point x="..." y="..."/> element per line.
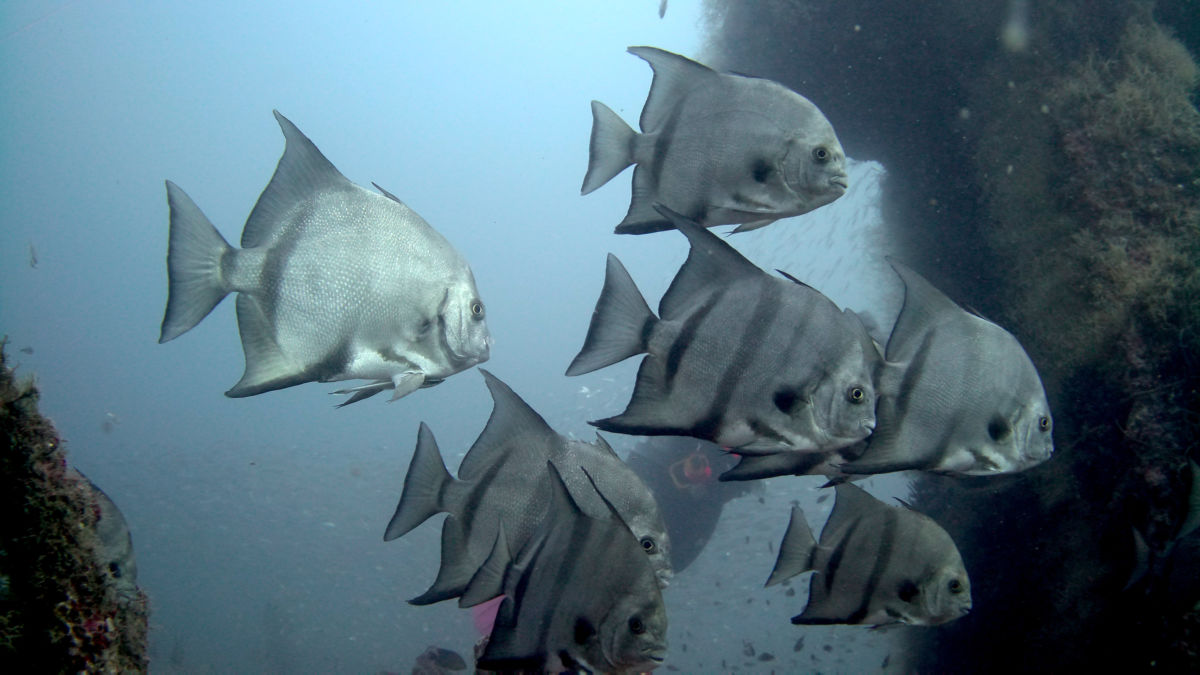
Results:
<point x="560" y="536"/>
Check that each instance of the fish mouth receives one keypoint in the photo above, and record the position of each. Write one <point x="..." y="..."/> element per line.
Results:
<point x="840" y="181"/>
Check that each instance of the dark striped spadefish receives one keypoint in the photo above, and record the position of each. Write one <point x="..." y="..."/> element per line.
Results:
<point x="579" y="571"/>
<point x="739" y="357"/>
<point x="878" y="564"/>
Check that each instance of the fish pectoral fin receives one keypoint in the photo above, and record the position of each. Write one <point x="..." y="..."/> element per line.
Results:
<point x="406" y="383"/>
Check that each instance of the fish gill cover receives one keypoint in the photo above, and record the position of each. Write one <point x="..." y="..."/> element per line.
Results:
<point x="1043" y="158"/>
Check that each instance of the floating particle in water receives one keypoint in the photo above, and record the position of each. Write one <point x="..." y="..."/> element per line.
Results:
<point x="799" y="644"/>
<point x="822" y="497"/>
<point x="827" y="647"/>
<point x="747" y="648"/>
<point x="790" y="592"/>
<point x="766" y="656"/>
<point x="886" y="660"/>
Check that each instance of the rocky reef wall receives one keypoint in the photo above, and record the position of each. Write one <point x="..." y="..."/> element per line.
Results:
<point x="1044" y="168"/>
<point x="64" y="606"/>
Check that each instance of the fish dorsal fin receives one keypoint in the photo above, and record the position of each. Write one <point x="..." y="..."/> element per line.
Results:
<point x="389" y="195"/>
<point x="851" y="503"/>
<point x="796" y="550"/>
<point x="710" y="264"/>
<point x="612" y="510"/>
<point x="793" y="279"/>
<point x="513" y="426"/>
<point x="301" y="172"/>
<point x="674" y="77"/>
<point x="605" y="448"/>
<point x="924" y="306"/>
<point x="560" y="494"/>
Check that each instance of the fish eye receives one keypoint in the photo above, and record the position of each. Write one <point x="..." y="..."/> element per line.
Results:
<point x="1044" y="423"/>
<point x="636" y="626"/>
<point x="955" y="586"/>
<point x="648" y="544"/>
<point x="856" y="395"/>
<point x="821" y="153"/>
<point x="477" y="309"/>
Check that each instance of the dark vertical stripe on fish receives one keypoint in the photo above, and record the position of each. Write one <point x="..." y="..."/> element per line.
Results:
<point x="582" y="527"/>
<point x="883" y="559"/>
<point x="685" y="338"/>
<point x="835" y="557"/>
<point x="662" y="147"/>
<point x="470" y="511"/>
<point x="924" y="457"/>
<point x="751" y="343"/>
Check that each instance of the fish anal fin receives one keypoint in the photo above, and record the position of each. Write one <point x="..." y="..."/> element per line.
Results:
<point x="267" y="367"/>
<point x="642" y="218"/>
<point x="454" y="572"/>
<point x="488" y="580"/>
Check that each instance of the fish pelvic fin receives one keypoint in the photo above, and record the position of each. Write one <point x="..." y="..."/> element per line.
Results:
<point x="424" y="487"/>
<point x="621" y="324"/>
<point x="752" y="225"/>
<point x="795" y="551"/>
<point x="195" y="251"/>
<point x="611" y="150"/>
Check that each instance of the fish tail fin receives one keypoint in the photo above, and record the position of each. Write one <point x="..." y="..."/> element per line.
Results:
<point x="620" y="325"/>
<point x="424" y="484"/>
<point x="195" y="251"/>
<point x="611" y="148"/>
<point x="795" y="551"/>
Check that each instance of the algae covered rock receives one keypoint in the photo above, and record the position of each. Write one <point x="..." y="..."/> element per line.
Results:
<point x="68" y="598"/>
